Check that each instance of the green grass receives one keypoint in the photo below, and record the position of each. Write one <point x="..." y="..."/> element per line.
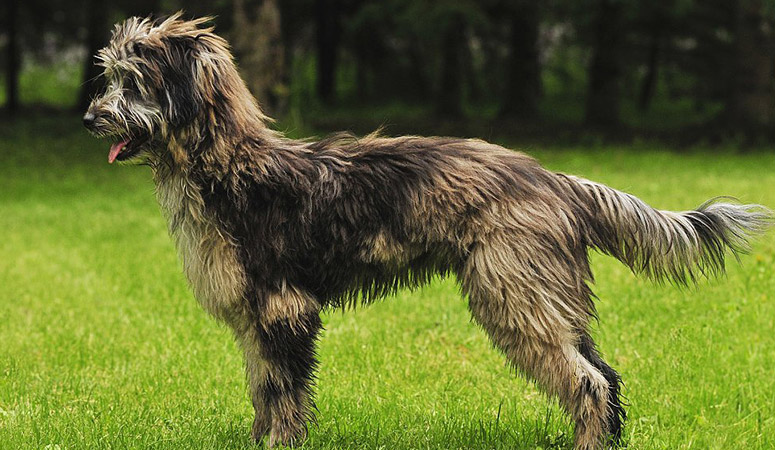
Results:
<point x="52" y="85"/>
<point x="103" y="346"/>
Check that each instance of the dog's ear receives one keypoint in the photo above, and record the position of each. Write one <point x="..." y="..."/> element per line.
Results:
<point x="180" y="98"/>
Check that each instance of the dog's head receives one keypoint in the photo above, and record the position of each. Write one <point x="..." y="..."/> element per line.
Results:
<point x="162" y="78"/>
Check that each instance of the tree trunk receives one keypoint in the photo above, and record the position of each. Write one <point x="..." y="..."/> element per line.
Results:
<point x="362" y="76"/>
<point x="523" y="86"/>
<point x="144" y="8"/>
<point x="12" y="64"/>
<point x="450" y="96"/>
<point x="752" y="97"/>
<point x="328" y="34"/>
<point x="605" y="70"/>
<point x="259" y="47"/>
<point x="423" y="89"/>
<point x="649" y="85"/>
<point x="96" y="38"/>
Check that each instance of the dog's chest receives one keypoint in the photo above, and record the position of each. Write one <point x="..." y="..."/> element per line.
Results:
<point x="208" y="254"/>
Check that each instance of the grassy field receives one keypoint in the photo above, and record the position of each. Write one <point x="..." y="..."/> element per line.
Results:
<point x="103" y="346"/>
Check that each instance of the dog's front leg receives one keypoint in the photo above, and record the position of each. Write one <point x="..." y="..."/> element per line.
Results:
<point x="289" y="323"/>
<point x="247" y="332"/>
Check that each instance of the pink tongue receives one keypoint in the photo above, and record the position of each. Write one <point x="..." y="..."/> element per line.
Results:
<point x="115" y="149"/>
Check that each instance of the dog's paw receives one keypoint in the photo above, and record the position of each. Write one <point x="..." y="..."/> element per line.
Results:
<point x="261" y="425"/>
<point x="286" y="437"/>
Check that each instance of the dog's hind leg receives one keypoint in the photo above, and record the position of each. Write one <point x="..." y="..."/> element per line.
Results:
<point x="616" y="413"/>
<point x="561" y="370"/>
<point x="287" y="332"/>
<point x="524" y="307"/>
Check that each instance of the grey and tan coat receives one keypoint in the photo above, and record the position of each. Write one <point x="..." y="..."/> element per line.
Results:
<point x="272" y="230"/>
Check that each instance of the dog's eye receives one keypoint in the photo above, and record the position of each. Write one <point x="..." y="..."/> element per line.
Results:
<point x="129" y="84"/>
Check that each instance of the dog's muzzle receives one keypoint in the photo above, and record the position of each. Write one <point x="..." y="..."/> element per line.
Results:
<point x="89" y="119"/>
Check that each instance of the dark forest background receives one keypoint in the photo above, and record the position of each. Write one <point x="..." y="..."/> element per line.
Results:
<point x="683" y="70"/>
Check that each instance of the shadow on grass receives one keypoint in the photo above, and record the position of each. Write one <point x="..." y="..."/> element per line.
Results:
<point x="375" y="430"/>
<point x="443" y="432"/>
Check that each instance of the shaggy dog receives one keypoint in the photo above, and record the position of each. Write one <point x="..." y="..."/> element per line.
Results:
<point x="272" y="230"/>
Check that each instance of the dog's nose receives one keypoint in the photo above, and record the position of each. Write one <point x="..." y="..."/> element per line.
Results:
<point x="88" y="119"/>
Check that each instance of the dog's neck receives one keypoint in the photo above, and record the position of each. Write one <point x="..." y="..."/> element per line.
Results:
<point x="211" y="143"/>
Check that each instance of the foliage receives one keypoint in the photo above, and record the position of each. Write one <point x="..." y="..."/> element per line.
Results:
<point x="670" y="55"/>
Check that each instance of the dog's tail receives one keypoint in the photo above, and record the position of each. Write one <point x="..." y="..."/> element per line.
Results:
<point x="666" y="245"/>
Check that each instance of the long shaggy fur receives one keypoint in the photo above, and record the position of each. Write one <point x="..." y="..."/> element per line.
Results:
<point x="272" y="230"/>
